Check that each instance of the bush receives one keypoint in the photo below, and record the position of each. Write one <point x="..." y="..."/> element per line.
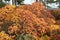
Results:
<point x="54" y="29"/>
<point x="56" y="14"/>
<point x="26" y="19"/>
<point x="58" y="22"/>
<point x="25" y="37"/>
<point x="4" y="36"/>
<point x="2" y="5"/>
<point x="55" y="37"/>
<point x="44" y="38"/>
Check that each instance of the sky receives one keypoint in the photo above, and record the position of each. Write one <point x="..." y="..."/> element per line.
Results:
<point x="53" y="5"/>
<point x="29" y="1"/>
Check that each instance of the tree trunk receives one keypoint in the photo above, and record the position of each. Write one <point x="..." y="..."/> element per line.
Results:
<point x="13" y="2"/>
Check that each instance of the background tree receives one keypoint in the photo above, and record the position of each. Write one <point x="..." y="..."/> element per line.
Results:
<point x="0" y="1"/>
<point x="19" y="1"/>
<point x="2" y="4"/>
<point x="43" y="1"/>
<point x="59" y="3"/>
<point x="51" y="1"/>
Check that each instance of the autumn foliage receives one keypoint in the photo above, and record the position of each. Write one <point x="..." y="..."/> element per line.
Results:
<point x="26" y="19"/>
<point x="4" y="36"/>
<point x="56" y="13"/>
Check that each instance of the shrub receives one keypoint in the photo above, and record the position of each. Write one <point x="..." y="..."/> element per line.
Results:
<point x="45" y="37"/>
<point x="58" y="22"/>
<point x="25" y="37"/>
<point x="54" y="29"/>
<point x="4" y="36"/>
<point x="26" y="19"/>
<point x="2" y="5"/>
<point x="55" y="37"/>
<point x="56" y="14"/>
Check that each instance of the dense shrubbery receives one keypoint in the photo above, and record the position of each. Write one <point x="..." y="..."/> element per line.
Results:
<point x="58" y="22"/>
<point x="27" y="19"/>
<point x="45" y="37"/>
<point x="25" y="37"/>
<point x="4" y="36"/>
<point x="56" y="14"/>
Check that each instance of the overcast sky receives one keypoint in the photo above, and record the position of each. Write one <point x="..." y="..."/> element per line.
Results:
<point x="53" y="5"/>
<point x="29" y="1"/>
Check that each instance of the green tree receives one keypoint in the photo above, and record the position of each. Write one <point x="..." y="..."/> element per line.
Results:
<point x="19" y="1"/>
<point x="51" y="1"/>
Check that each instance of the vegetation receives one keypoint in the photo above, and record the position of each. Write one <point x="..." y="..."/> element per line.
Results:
<point x="4" y="36"/>
<point x="56" y="13"/>
<point x="19" y="1"/>
<point x="25" y="37"/>
<point x="28" y="22"/>
<point x="52" y="1"/>
<point x="2" y="5"/>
